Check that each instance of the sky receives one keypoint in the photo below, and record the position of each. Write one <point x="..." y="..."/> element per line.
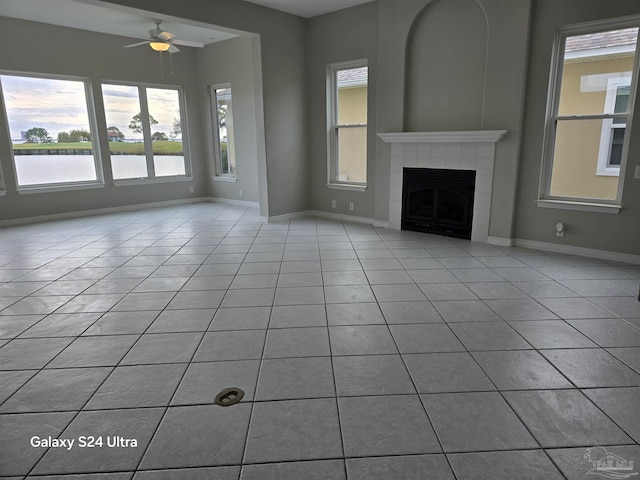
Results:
<point x="121" y="103"/>
<point x="60" y="105"/>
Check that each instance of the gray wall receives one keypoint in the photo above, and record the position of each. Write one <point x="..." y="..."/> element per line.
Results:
<point x="336" y="37"/>
<point x="283" y="50"/>
<point x="508" y="26"/>
<point x="446" y="70"/>
<point x="42" y="48"/>
<point x="231" y="62"/>
<point x="620" y="233"/>
<point x="290" y="76"/>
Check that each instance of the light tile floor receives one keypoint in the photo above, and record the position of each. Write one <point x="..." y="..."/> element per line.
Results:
<point x="363" y="353"/>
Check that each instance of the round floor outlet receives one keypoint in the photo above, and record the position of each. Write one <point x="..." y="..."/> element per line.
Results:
<point x="229" y="396"/>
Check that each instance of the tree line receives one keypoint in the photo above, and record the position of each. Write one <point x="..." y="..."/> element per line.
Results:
<point x="40" y="135"/>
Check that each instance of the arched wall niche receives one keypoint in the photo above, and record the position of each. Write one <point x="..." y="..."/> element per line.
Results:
<point x="445" y="67"/>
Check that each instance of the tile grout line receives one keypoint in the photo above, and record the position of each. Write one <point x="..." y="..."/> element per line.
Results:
<point x="166" y="408"/>
<point x="243" y="454"/>
<point x="333" y="370"/>
<point x="77" y="413"/>
<point x="496" y="390"/>
<point x="415" y="387"/>
<point x="238" y="220"/>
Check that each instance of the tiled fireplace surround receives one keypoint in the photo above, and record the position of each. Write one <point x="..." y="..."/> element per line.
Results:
<point x="445" y="150"/>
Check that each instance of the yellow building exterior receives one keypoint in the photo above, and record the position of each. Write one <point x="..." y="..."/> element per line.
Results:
<point x="586" y="83"/>
<point x="352" y="141"/>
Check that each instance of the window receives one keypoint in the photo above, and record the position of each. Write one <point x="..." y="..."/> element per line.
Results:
<point x="51" y="131"/>
<point x="225" y="152"/>
<point x="347" y="118"/>
<point x="144" y="128"/>
<point x="613" y="130"/>
<point x="591" y="97"/>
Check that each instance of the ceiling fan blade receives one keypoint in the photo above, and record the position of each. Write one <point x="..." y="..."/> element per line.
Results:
<point x="136" y="44"/>
<point x="174" y="49"/>
<point x="188" y="43"/>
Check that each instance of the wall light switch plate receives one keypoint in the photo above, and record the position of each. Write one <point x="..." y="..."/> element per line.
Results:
<point x="637" y="171"/>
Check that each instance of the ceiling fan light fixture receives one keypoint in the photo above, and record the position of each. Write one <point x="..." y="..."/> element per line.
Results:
<point x="160" y="46"/>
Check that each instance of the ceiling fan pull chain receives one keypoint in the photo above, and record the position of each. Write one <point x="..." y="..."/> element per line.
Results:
<point x="161" y="68"/>
<point x="171" y="61"/>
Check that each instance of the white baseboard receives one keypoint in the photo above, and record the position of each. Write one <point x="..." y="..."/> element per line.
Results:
<point x="321" y="214"/>
<point x="232" y="201"/>
<point x="99" y="211"/>
<point x="343" y="217"/>
<point x="380" y="224"/>
<point x="585" y="252"/>
<point x="500" y="241"/>
<point x="287" y="216"/>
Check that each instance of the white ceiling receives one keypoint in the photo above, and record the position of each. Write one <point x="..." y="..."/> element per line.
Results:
<point x="102" y="17"/>
<point x="309" y="8"/>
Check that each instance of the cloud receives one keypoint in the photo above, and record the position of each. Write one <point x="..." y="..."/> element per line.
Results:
<point x="53" y="104"/>
<point x="110" y="91"/>
<point x="60" y="105"/>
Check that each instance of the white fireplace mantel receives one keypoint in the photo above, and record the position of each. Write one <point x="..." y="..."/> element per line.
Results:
<point x="479" y="136"/>
<point x="464" y="150"/>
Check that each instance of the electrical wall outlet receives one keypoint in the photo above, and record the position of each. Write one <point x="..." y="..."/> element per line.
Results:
<point x="333" y="204"/>
<point x="351" y="206"/>
<point x="191" y="189"/>
<point x="240" y="192"/>
<point x="637" y="171"/>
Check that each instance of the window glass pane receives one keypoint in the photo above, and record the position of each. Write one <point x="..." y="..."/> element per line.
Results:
<point x="226" y="146"/>
<point x="49" y="129"/>
<point x="166" y="131"/>
<point x="352" y="154"/>
<point x="594" y="64"/>
<point x="575" y="162"/>
<point x="622" y="99"/>
<point x="124" y="129"/>
<point x="350" y="131"/>
<point x="352" y="96"/>
<point x="617" y="139"/>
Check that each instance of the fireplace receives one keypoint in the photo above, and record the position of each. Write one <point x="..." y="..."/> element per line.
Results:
<point x="472" y="151"/>
<point x="438" y="201"/>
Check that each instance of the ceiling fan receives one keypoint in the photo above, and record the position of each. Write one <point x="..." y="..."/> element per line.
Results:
<point x="162" y="41"/>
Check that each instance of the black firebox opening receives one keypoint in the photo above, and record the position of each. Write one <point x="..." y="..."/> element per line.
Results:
<point x="438" y="201"/>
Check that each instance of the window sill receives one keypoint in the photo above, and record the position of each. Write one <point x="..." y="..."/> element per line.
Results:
<point x="347" y="186"/>
<point x="580" y="206"/>
<point x="145" y="181"/>
<point x="222" y="178"/>
<point x="609" y="172"/>
<point x="58" y="188"/>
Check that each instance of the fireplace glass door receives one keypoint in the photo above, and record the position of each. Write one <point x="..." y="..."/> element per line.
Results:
<point x="438" y="201"/>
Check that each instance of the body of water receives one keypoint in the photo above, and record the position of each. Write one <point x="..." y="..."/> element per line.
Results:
<point x="43" y="169"/>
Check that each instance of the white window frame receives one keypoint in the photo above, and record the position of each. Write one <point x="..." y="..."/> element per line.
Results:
<point x="606" y="137"/>
<point x="220" y="176"/>
<point x="93" y="129"/>
<point x="333" y="126"/>
<point x="146" y="134"/>
<point x="545" y="199"/>
<point x="7" y="134"/>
